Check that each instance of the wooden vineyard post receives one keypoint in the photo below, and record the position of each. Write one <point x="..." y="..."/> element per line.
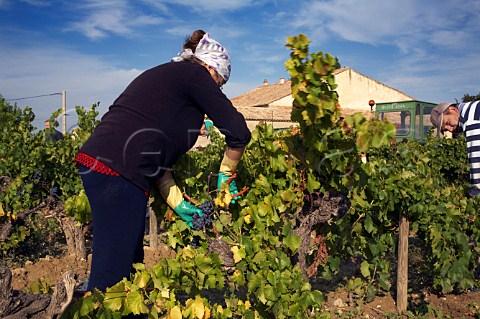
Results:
<point x="153" y="225"/>
<point x="402" y="266"/>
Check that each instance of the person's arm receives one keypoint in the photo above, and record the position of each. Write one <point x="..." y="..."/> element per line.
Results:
<point x="174" y="198"/>
<point x="230" y="160"/>
<point x="214" y="103"/>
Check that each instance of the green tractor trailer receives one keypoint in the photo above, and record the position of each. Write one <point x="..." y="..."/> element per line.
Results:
<point x="411" y="118"/>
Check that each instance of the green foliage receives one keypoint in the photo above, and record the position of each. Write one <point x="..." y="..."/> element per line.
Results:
<point x="470" y="98"/>
<point x="411" y="179"/>
<point x="41" y="286"/>
<point x="280" y="168"/>
<point x="33" y="168"/>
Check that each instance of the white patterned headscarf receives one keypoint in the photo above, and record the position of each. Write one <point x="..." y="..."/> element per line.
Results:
<point x="212" y="53"/>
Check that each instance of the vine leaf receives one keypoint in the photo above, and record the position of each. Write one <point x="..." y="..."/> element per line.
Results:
<point x="365" y="269"/>
<point x="115" y="296"/>
<point x="175" y="313"/>
<point x="292" y="242"/>
<point x="237" y="254"/>
<point x="135" y="302"/>
<point x="196" y="308"/>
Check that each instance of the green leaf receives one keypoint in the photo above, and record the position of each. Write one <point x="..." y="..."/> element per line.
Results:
<point x="368" y="224"/>
<point x="87" y="306"/>
<point x="365" y="269"/>
<point x="264" y="209"/>
<point x="135" y="302"/>
<point x="312" y="184"/>
<point x="115" y="297"/>
<point x="270" y="293"/>
<point x="254" y="282"/>
<point x="292" y="242"/>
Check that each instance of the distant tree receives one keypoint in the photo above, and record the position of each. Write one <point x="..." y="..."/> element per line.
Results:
<point x="470" y="98"/>
<point x="8" y="113"/>
<point x="337" y="63"/>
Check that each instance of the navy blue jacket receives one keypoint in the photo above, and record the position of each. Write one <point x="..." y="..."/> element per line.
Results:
<point x="157" y="119"/>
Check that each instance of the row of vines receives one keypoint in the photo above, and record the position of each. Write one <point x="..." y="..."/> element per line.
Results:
<point x="312" y="205"/>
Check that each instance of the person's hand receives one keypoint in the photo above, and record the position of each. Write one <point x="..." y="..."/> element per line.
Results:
<point x="186" y="211"/>
<point x="227" y="170"/>
<point x="174" y="198"/>
<point x="232" y="185"/>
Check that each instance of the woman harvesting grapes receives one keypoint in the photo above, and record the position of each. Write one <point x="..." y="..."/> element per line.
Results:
<point x="149" y="126"/>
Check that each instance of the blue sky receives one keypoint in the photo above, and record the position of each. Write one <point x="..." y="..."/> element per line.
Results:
<point x="94" y="48"/>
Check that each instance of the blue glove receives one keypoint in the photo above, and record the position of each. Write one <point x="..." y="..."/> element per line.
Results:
<point x="222" y="178"/>
<point x="186" y="210"/>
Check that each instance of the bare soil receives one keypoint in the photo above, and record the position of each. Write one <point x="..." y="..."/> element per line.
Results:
<point x="339" y="303"/>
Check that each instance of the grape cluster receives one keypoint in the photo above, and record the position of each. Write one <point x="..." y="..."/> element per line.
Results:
<point x="207" y="207"/>
<point x="199" y="222"/>
<point x="54" y="190"/>
<point x="195" y="243"/>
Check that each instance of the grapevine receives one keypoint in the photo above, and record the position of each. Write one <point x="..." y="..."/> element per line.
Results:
<point x="310" y="204"/>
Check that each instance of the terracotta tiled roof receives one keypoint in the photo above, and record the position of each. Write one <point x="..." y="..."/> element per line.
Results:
<point x="269" y="113"/>
<point x="263" y="95"/>
<point x="266" y="94"/>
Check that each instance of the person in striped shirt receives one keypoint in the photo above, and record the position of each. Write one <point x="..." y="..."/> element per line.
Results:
<point x="462" y="117"/>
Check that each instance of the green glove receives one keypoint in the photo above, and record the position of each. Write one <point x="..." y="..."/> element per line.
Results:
<point x="232" y="187"/>
<point x="186" y="210"/>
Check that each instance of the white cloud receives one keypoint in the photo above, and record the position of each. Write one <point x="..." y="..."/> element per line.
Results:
<point x="101" y="18"/>
<point x="36" y="71"/>
<point x="434" y="76"/>
<point x="451" y="39"/>
<point x="213" y="5"/>
<point x="435" y="57"/>
<point x="403" y="23"/>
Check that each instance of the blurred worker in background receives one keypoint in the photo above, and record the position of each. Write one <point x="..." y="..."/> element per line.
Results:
<point x="462" y="117"/>
<point x="53" y="135"/>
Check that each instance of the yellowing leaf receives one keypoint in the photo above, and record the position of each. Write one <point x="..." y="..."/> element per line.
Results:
<point x="236" y="255"/>
<point x="224" y="197"/>
<point x="247" y="218"/>
<point x="198" y="308"/>
<point x="189" y="252"/>
<point x="142" y="280"/>
<point x="175" y="313"/>
<point x="115" y="296"/>
<point x="165" y="292"/>
<point x="207" y="313"/>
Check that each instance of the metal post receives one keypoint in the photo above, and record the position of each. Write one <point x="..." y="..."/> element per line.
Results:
<point x="64" y="112"/>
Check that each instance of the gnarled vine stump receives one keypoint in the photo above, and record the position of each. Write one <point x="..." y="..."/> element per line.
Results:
<point x="317" y="209"/>
<point x="19" y="305"/>
<point x="74" y="234"/>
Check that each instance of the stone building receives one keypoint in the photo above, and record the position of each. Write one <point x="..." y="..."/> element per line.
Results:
<point x="273" y="102"/>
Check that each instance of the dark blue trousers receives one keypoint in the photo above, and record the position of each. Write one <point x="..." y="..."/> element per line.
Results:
<point x="118" y="216"/>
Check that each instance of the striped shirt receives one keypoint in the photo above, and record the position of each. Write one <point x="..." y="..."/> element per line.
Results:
<point x="470" y="123"/>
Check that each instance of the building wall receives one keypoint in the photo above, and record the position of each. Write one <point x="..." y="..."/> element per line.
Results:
<point x="288" y="100"/>
<point x="355" y="90"/>
<point x="276" y="125"/>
